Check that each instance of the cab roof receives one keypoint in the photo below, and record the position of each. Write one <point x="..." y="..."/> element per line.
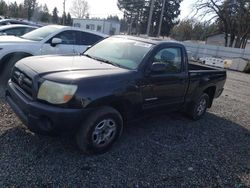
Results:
<point x="155" y="41"/>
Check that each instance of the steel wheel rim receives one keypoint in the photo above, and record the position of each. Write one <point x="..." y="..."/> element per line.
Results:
<point x="104" y="133"/>
<point x="201" y="107"/>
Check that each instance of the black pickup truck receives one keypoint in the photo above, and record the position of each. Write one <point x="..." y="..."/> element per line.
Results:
<point x="115" y="80"/>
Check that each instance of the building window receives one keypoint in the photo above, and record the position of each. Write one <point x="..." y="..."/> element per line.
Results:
<point x="99" y="28"/>
<point x="90" y="26"/>
<point x="77" y="25"/>
<point x="112" y="31"/>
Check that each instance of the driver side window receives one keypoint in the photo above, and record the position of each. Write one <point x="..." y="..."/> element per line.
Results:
<point x="15" y="31"/>
<point x="171" y="57"/>
<point x="68" y="37"/>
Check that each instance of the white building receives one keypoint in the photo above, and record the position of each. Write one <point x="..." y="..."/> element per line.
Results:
<point x="108" y="27"/>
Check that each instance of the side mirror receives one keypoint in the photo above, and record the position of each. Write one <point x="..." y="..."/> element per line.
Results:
<point x="88" y="47"/>
<point x="56" y="41"/>
<point x="158" y="67"/>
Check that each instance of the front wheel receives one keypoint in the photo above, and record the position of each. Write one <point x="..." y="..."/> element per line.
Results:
<point x="197" y="109"/>
<point x="100" y="130"/>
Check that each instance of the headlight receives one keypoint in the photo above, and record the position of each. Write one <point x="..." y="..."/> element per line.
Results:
<point x="56" y="93"/>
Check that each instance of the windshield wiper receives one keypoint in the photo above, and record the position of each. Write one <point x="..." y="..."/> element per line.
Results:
<point x="103" y="60"/>
<point x="109" y="62"/>
<point x="89" y="56"/>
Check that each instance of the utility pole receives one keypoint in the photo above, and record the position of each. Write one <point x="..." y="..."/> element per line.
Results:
<point x="150" y="16"/>
<point x="64" y="13"/>
<point x="162" y="14"/>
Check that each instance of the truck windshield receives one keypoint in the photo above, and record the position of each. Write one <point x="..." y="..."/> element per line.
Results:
<point x="122" y="52"/>
<point x="41" y="33"/>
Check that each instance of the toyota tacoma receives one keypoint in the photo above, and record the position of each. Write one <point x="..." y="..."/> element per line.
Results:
<point x="114" y="81"/>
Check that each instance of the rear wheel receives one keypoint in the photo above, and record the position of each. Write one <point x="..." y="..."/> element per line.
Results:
<point x="197" y="109"/>
<point x="100" y="130"/>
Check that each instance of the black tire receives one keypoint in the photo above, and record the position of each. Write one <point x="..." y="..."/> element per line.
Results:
<point x="196" y="110"/>
<point x="8" y="66"/>
<point x="87" y="136"/>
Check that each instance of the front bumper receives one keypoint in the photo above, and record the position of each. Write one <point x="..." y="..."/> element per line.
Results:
<point x="42" y="118"/>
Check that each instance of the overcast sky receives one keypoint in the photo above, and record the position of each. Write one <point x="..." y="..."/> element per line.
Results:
<point x="103" y="8"/>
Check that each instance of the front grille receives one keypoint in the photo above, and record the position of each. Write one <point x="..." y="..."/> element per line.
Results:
<point x="22" y="81"/>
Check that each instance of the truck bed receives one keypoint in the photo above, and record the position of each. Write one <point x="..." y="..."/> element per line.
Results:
<point x="202" y="76"/>
<point x="194" y="67"/>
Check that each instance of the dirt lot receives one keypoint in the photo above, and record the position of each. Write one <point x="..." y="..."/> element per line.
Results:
<point x="162" y="151"/>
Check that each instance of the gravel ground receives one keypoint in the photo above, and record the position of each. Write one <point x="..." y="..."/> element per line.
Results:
<point x="162" y="151"/>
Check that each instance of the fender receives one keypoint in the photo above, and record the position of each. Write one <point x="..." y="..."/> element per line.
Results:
<point x="201" y="89"/>
<point x="126" y="106"/>
<point x="8" y="56"/>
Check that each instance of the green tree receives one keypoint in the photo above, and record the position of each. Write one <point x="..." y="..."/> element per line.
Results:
<point x="3" y="8"/>
<point x="45" y="14"/>
<point x="113" y="18"/>
<point x="21" y="11"/>
<point x="193" y="30"/>
<point x="30" y="6"/>
<point x="13" y="10"/>
<point x="124" y="26"/>
<point x="170" y="16"/>
<point x="63" y="19"/>
<point x="69" y="20"/>
<point x="133" y="12"/>
<point x="183" y="31"/>
<point x="137" y="15"/>
<point x="55" y="17"/>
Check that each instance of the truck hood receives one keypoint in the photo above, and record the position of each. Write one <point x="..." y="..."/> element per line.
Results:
<point x="68" y="67"/>
<point x="13" y="39"/>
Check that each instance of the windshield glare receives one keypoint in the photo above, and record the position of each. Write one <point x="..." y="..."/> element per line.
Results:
<point x="123" y="52"/>
<point x="41" y="33"/>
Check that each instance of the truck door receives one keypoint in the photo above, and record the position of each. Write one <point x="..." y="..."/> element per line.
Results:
<point x="168" y="87"/>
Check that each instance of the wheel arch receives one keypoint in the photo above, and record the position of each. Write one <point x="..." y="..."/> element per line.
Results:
<point x="123" y="106"/>
<point x="210" y="91"/>
<point x="8" y="56"/>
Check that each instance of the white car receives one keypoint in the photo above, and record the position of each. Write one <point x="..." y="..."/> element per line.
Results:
<point x="14" y="21"/>
<point x="53" y="39"/>
<point x="16" y="29"/>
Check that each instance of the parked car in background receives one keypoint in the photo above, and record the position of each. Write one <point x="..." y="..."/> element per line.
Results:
<point x="16" y="29"/>
<point x="115" y="80"/>
<point x="14" y="21"/>
<point x="53" y="39"/>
